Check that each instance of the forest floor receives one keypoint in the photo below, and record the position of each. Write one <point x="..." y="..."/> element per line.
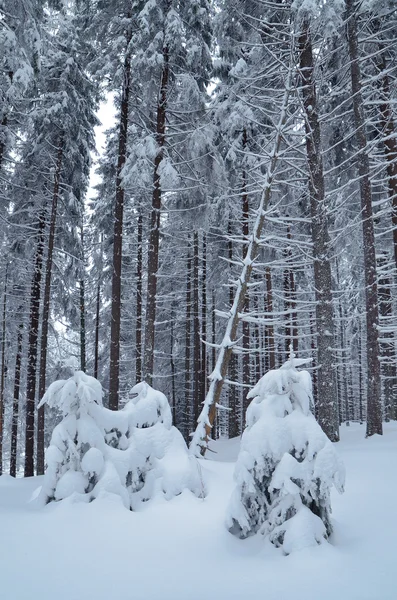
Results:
<point x="180" y="550"/>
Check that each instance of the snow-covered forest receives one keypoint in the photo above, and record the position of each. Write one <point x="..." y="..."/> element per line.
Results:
<point x="198" y="229"/>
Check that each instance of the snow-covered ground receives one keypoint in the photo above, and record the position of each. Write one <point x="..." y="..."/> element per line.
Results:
<point x="180" y="550"/>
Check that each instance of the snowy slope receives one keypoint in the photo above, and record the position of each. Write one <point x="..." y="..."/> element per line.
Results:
<point x="180" y="550"/>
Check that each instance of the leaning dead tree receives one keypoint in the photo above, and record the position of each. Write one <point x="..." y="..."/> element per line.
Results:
<point x="205" y="421"/>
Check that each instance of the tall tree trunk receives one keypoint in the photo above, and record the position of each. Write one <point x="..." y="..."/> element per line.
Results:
<point x="139" y="273"/>
<point x="270" y="328"/>
<point x="196" y="330"/>
<point x="15" y="403"/>
<point x="326" y="384"/>
<point x="245" y="326"/>
<point x="114" y="368"/>
<point x="374" y="407"/>
<point x="188" y="406"/>
<point x="232" y="392"/>
<point x="203" y="381"/>
<point x="3" y="369"/>
<point x="46" y="311"/>
<point x="213" y="357"/>
<point x="387" y="342"/>
<point x="97" y="315"/>
<point x="172" y="365"/>
<point x="154" y="234"/>
<point x="3" y="125"/>
<point x="202" y="433"/>
<point x="83" y="360"/>
<point x="34" y="316"/>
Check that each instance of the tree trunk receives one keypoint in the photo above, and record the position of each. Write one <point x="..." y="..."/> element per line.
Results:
<point x="3" y="368"/>
<point x="187" y="346"/>
<point x="83" y="360"/>
<point x="387" y="347"/>
<point x="34" y="316"/>
<point x="374" y="407"/>
<point x="232" y="392"/>
<point x="114" y="369"/>
<point x="97" y="314"/>
<point x="270" y="328"/>
<point x="326" y="388"/>
<point x="202" y="433"/>
<point x="138" y="329"/>
<point x="3" y="126"/>
<point x="172" y="365"/>
<point x="15" y="403"/>
<point x="196" y="330"/>
<point x="46" y="311"/>
<point x="203" y="380"/>
<point x="213" y="357"/>
<point x="245" y="326"/>
<point x="154" y="234"/>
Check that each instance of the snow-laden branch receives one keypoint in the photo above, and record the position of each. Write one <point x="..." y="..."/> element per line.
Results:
<point x="201" y="436"/>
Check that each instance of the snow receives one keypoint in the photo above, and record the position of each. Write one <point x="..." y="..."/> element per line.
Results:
<point x="181" y="550"/>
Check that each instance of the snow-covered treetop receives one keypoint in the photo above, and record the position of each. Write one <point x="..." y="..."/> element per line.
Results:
<point x="73" y="394"/>
<point x="148" y="407"/>
<point x="287" y="381"/>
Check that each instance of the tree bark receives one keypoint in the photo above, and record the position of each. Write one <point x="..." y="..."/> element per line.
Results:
<point x="173" y="370"/>
<point x="114" y="369"/>
<point x="46" y="311"/>
<point x="154" y="234"/>
<point x="196" y="330"/>
<point x="187" y="346"/>
<point x="15" y="403"/>
<point x="34" y="316"/>
<point x="326" y="384"/>
<point x="83" y="359"/>
<point x="203" y="370"/>
<point x="245" y="325"/>
<point x="3" y="369"/>
<point x="232" y="392"/>
<point x="270" y="328"/>
<point x="139" y="287"/>
<point x="387" y="342"/>
<point x="374" y="407"/>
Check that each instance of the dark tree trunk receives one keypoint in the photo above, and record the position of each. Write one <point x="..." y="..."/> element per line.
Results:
<point x="138" y="329"/>
<point x="34" y="316"/>
<point x="3" y="126"/>
<point x="326" y="384"/>
<point x="15" y="403"/>
<point x="154" y="233"/>
<point x="114" y="369"/>
<point x="46" y="311"/>
<point x="97" y="316"/>
<point x="83" y="359"/>
<point x="232" y="392"/>
<point x="3" y="372"/>
<point x="374" y="407"/>
<point x="270" y="328"/>
<point x="196" y="330"/>
<point x="188" y="411"/>
<point x="214" y="430"/>
<point x="203" y="380"/>
<point x="245" y="325"/>
<point x="173" y="370"/>
<point x="387" y="342"/>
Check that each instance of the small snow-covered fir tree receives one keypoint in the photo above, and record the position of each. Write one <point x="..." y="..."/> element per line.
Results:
<point x="77" y="458"/>
<point x="160" y="462"/>
<point x="286" y="465"/>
